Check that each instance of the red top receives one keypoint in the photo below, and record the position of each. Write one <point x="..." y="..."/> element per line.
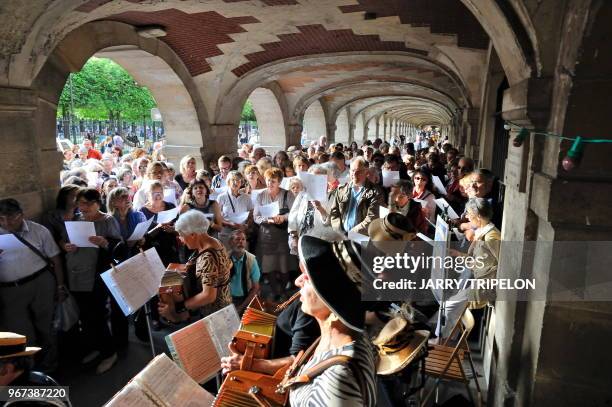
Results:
<point x="94" y="154"/>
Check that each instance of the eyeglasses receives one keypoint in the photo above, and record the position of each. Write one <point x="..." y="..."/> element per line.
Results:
<point x="419" y="178"/>
<point x="14" y="216"/>
<point x="156" y="194"/>
<point x="86" y="203"/>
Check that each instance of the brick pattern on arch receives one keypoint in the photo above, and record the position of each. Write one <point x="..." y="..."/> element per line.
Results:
<point x="316" y="39"/>
<point x="269" y="2"/>
<point x="441" y="16"/>
<point x="194" y="37"/>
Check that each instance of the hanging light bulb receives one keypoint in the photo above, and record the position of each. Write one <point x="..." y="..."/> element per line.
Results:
<point x="518" y="140"/>
<point x="572" y="159"/>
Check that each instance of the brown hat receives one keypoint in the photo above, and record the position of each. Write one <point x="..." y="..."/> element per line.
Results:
<point x="13" y="345"/>
<point x="398" y="346"/>
<point x="392" y="227"/>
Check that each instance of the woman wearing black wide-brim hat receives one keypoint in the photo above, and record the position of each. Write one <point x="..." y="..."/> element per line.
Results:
<point x="339" y="369"/>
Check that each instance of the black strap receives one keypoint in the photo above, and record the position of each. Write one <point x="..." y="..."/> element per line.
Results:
<point x="34" y="249"/>
<point x="285" y="207"/>
<point x="229" y="196"/>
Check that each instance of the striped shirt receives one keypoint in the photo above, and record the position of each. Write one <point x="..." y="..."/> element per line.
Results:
<point x="337" y="386"/>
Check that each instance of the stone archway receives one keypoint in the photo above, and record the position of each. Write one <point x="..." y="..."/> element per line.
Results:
<point x="314" y="121"/>
<point x="359" y="135"/>
<point x="31" y="122"/>
<point x="270" y="121"/>
<point x="183" y="135"/>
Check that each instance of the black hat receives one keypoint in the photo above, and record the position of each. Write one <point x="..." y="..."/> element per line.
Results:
<point x="331" y="282"/>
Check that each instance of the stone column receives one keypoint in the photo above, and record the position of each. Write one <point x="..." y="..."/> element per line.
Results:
<point x="294" y="135"/>
<point x="331" y="133"/>
<point x="31" y="163"/>
<point x="352" y="127"/>
<point x="222" y="140"/>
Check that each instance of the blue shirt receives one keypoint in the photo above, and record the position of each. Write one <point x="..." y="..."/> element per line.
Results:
<point x="351" y="215"/>
<point x="236" y="281"/>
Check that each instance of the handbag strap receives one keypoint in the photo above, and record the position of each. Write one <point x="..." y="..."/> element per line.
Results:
<point x="33" y="248"/>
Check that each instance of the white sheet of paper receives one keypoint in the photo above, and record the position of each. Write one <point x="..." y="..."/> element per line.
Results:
<point x="92" y="179"/>
<point x="445" y="207"/>
<point x="12" y="249"/>
<point x="383" y="212"/>
<point x="238" y="218"/>
<point x="222" y="326"/>
<point x="168" y="383"/>
<point x="170" y="195"/>
<point x="135" y="281"/>
<point x="167" y="216"/>
<point x="254" y="194"/>
<point x="343" y="180"/>
<point x="267" y="211"/>
<point x="285" y="182"/>
<point x="438" y="185"/>
<point x="390" y="177"/>
<point x="214" y="195"/>
<point x="140" y="230"/>
<point x="357" y="237"/>
<point x="315" y="186"/>
<point x="425" y="238"/>
<point x="80" y="232"/>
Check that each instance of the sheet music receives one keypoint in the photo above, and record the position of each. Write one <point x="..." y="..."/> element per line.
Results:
<point x="222" y="326"/>
<point x="12" y="250"/>
<point x="170" y="195"/>
<point x="162" y="383"/>
<point x="196" y="351"/>
<point x="238" y="218"/>
<point x="438" y="185"/>
<point x="140" y="230"/>
<point x="255" y="193"/>
<point x="136" y="280"/>
<point x="315" y="186"/>
<point x="382" y="211"/>
<point x="285" y="182"/>
<point x="446" y="208"/>
<point x="390" y="177"/>
<point x="131" y="396"/>
<point x="167" y="216"/>
<point x="270" y="210"/>
<point x="79" y="233"/>
<point x="200" y="345"/>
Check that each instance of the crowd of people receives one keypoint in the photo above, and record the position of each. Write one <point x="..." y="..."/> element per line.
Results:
<point x="234" y="248"/>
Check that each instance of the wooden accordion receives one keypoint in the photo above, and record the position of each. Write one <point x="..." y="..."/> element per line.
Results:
<point x="245" y="388"/>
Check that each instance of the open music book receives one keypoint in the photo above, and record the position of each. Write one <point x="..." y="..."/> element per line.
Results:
<point x="199" y="347"/>
<point x="161" y="384"/>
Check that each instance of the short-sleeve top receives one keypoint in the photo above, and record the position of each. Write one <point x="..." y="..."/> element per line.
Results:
<point x="213" y="269"/>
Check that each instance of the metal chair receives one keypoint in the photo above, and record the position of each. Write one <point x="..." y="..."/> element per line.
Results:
<point x="445" y="362"/>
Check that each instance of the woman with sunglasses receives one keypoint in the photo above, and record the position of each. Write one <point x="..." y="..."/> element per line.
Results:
<point x="422" y="193"/>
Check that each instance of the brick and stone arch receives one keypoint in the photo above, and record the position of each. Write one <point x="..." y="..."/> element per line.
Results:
<point x="270" y="121"/>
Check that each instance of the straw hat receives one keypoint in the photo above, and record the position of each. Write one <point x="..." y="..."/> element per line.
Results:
<point x="398" y="346"/>
<point x="13" y="345"/>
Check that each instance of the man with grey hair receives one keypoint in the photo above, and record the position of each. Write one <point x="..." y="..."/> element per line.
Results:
<point x="245" y="273"/>
<point x="31" y="275"/>
<point x="355" y="205"/>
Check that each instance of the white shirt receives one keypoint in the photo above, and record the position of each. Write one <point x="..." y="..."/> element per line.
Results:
<point x="26" y="262"/>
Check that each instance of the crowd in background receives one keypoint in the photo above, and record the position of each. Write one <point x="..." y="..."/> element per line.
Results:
<point x="236" y="250"/>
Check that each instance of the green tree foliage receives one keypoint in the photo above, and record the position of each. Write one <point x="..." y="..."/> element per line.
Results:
<point x="248" y="115"/>
<point x="103" y="90"/>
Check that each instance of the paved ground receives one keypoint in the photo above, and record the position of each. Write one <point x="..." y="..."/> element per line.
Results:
<point x="90" y="390"/>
